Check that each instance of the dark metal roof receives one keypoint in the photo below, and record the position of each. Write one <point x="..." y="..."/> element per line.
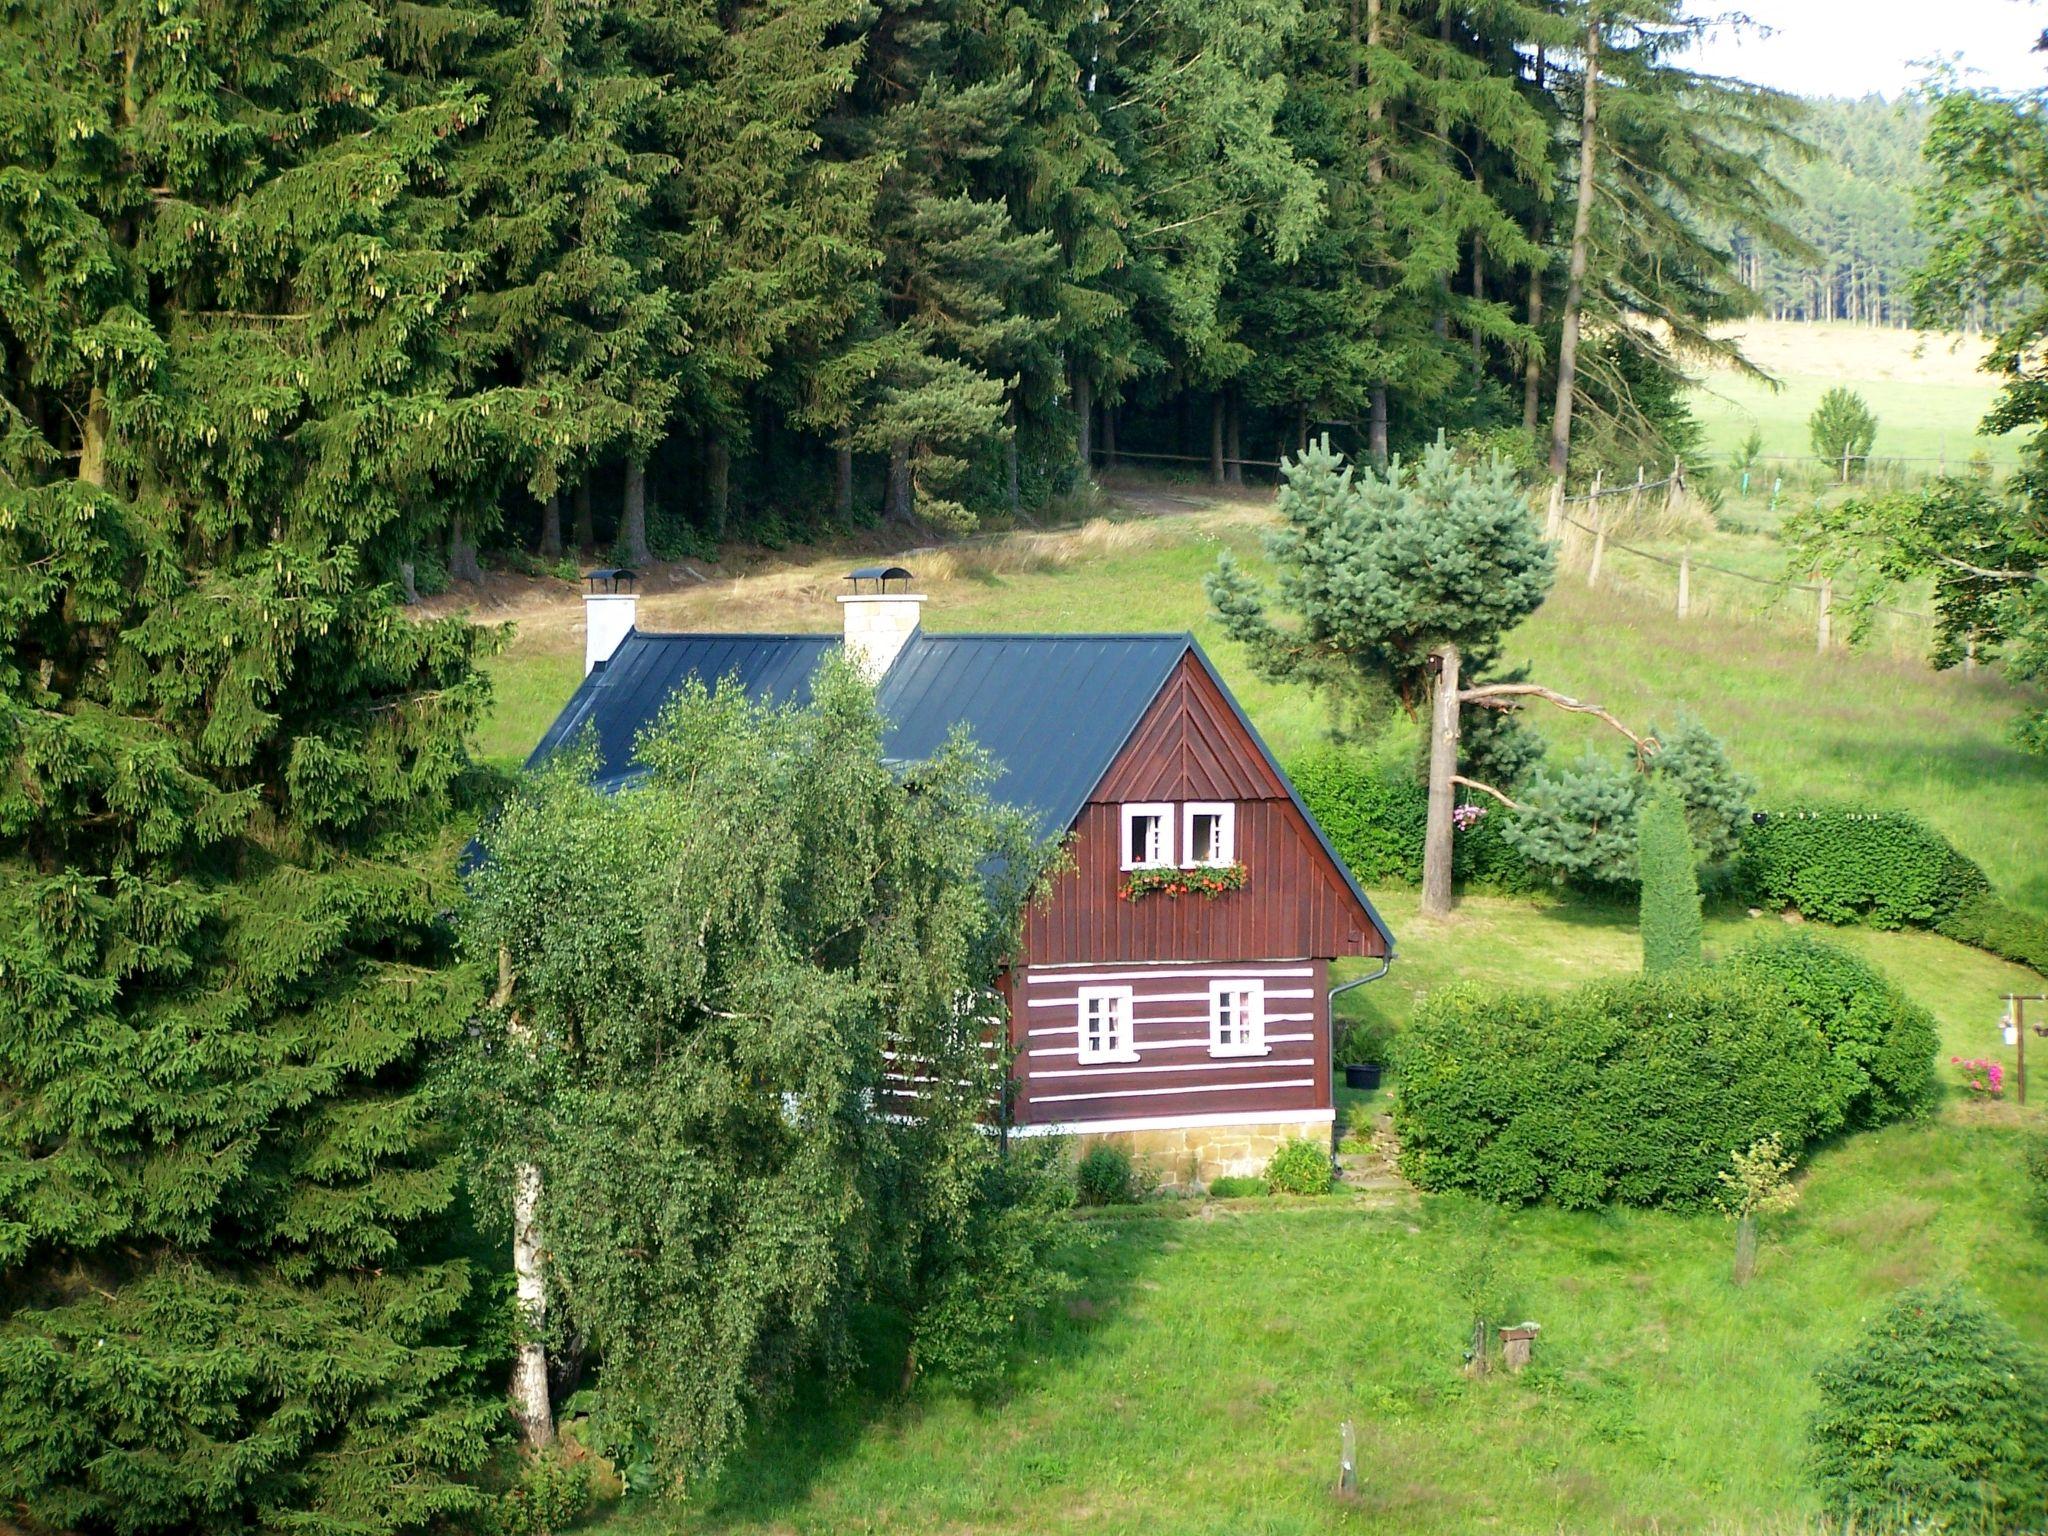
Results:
<point x="1054" y="711"/>
<point x="878" y="573"/>
<point x="622" y="697"/>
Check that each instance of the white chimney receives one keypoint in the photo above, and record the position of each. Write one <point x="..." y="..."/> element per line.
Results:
<point x="879" y="622"/>
<point x="610" y="610"/>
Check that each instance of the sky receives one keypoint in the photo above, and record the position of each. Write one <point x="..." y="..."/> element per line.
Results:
<point x="1854" y="47"/>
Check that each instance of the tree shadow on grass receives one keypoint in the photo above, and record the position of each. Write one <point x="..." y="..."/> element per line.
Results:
<point x="788" y="1454"/>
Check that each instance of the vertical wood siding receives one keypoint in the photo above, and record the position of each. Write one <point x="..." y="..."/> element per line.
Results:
<point x="1191" y="746"/>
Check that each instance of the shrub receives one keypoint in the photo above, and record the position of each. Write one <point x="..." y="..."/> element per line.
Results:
<point x="1937" y="1416"/>
<point x="1881" y="1044"/>
<point x="1300" y="1168"/>
<point x="1983" y="920"/>
<point x="552" y="1494"/>
<point x="1842" y="423"/>
<point x="1362" y="1040"/>
<point x="2034" y="1164"/>
<point x="1638" y="1091"/>
<point x="1375" y="817"/>
<point x="1103" y="1176"/>
<point x="1885" y="868"/>
<point x="1670" y="901"/>
<point x="1236" y="1187"/>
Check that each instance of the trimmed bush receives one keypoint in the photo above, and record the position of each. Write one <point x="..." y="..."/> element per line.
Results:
<point x="1375" y="818"/>
<point x="1637" y="1091"/>
<point x="1885" y="868"/>
<point x="1236" y="1187"/>
<point x="1881" y="1044"/>
<point x="1989" y="924"/>
<point x="1669" y="906"/>
<point x="1937" y="1418"/>
<point x="1103" y="1176"/>
<point x="1300" y="1168"/>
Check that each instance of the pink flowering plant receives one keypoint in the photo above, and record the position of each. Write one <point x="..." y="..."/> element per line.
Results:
<point x="1466" y="817"/>
<point x="1982" y="1076"/>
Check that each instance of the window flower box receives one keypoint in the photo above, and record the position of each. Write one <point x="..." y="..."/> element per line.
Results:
<point x="1202" y="880"/>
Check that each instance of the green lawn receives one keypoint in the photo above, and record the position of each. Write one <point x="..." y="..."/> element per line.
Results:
<point x="1197" y="1381"/>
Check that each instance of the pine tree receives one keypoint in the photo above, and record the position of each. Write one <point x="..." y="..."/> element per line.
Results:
<point x="229" y="253"/>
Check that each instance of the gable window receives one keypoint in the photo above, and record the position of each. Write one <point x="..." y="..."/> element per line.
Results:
<point x="1237" y="1018"/>
<point x="1106" y="1025"/>
<point x="1148" y="836"/>
<point x="1208" y="833"/>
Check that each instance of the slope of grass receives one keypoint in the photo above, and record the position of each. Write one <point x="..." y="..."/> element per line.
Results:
<point x="1197" y="1382"/>
<point x="1925" y="388"/>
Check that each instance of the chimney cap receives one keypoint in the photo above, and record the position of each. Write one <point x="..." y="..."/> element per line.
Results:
<point x="880" y="575"/>
<point x="611" y="578"/>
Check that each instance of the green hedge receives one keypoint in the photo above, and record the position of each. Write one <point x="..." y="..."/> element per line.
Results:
<point x="1881" y="1044"/>
<point x="1884" y="868"/>
<point x="1376" y="816"/>
<point x="1936" y="1418"/>
<point x="1634" y="1091"/>
<point x="1989" y="924"/>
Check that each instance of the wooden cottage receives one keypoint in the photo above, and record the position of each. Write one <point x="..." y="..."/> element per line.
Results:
<point x="1193" y="1026"/>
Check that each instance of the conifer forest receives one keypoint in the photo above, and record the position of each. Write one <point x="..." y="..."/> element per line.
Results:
<point x="311" y="307"/>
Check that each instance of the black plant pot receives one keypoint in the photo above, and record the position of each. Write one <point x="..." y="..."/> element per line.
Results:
<point x="1362" y="1074"/>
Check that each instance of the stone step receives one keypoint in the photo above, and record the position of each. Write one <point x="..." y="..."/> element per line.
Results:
<point x="1389" y="1182"/>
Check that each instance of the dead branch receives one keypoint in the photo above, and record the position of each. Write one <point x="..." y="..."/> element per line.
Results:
<point x="1495" y="695"/>
<point x="1487" y="789"/>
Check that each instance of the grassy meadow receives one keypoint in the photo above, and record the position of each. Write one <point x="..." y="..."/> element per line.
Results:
<point x="1195" y="1381"/>
<point x="1925" y="387"/>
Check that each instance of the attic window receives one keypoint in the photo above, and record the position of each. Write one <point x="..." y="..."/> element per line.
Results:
<point x="1148" y="836"/>
<point x="1208" y="834"/>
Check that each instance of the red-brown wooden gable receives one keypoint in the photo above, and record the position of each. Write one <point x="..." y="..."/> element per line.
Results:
<point x="1191" y="746"/>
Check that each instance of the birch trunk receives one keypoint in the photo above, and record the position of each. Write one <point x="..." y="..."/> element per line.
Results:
<point x="1443" y="764"/>
<point x="1582" y="239"/>
<point x="530" y="1402"/>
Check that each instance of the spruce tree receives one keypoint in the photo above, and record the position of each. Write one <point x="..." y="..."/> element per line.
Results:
<point x="230" y="252"/>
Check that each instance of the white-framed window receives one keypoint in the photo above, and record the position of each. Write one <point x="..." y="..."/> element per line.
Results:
<point x="1237" y="1018"/>
<point x="1148" y="836"/>
<point x="1208" y="832"/>
<point x="1105" y="1018"/>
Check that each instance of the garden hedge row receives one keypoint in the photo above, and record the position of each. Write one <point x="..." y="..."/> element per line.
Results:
<point x="1375" y="817"/>
<point x="1634" y="1091"/>
<point x="1884" y="868"/>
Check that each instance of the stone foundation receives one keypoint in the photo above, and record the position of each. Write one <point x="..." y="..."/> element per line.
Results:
<point x="1188" y="1156"/>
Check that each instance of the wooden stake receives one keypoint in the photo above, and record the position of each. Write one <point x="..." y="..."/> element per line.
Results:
<point x="1347" y="1465"/>
<point x="1674" y="493"/>
<point x="1685" y="583"/>
<point x="1553" y="516"/>
<point x="1599" y="546"/>
<point x="1635" y="500"/>
<point x="1824" y="631"/>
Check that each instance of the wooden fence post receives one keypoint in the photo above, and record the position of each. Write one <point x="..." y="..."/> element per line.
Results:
<point x="1635" y="501"/>
<point x="1685" y="583"/>
<point x="1599" y="545"/>
<point x="1824" y="630"/>
<point x="1553" y="515"/>
<point x="1674" y="493"/>
<point x="1970" y="654"/>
